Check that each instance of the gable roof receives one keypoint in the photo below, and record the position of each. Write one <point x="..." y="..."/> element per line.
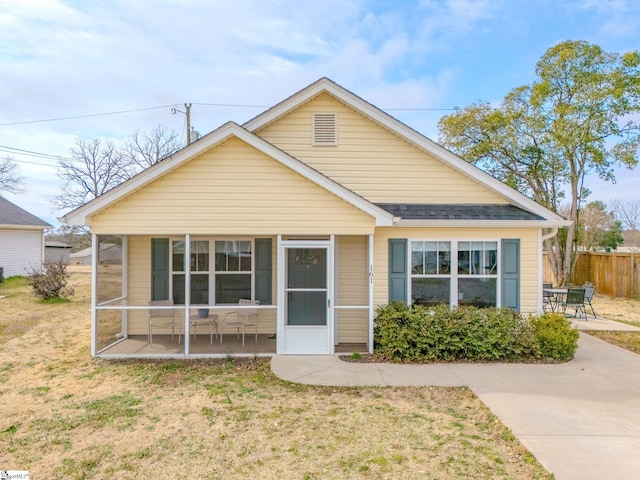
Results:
<point x="11" y="214"/>
<point x="80" y="215"/>
<point x="539" y="215"/>
<point x="325" y="85"/>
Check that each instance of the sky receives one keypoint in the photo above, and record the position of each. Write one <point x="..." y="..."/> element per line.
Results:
<point x="95" y="69"/>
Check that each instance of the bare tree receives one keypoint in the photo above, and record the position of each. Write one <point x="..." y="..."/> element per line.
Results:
<point x="96" y="167"/>
<point x="144" y="149"/>
<point x="627" y="211"/>
<point x="10" y="180"/>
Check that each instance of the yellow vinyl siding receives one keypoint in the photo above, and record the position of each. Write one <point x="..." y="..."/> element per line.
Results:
<point x="528" y="256"/>
<point x="352" y="288"/>
<point x="373" y="162"/>
<point x="232" y="189"/>
<point x="352" y="326"/>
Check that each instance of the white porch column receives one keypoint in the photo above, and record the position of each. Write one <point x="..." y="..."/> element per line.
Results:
<point x="187" y="291"/>
<point x="125" y="285"/>
<point x="371" y="312"/>
<point x="94" y="293"/>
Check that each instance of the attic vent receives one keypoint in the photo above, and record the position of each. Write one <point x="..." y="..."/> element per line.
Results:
<point x="325" y="129"/>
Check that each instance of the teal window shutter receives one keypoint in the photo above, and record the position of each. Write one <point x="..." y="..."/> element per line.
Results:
<point x="398" y="269"/>
<point x="159" y="269"/>
<point x="263" y="263"/>
<point x="511" y="273"/>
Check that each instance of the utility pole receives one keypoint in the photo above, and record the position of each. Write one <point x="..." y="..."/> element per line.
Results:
<point x="187" y="112"/>
<point x="187" y="106"/>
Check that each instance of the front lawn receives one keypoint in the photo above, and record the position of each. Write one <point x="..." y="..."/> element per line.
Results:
<point x="64" y="415"/>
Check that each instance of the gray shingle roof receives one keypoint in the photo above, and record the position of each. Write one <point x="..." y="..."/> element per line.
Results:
<point x="414" y="211"/>
<point x="11" y="214"/>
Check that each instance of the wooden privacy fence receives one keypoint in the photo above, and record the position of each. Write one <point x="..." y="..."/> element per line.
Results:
<point x="615" y="274"/>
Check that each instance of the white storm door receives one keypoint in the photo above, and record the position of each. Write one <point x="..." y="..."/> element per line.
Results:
<point x="305" y="299"/>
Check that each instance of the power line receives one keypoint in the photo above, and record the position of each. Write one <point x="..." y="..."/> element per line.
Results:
<point x="30" y="153"/>
<point x="119" y="112"/>
<point x="87" y="116"/>
<point x="231" y="105"/>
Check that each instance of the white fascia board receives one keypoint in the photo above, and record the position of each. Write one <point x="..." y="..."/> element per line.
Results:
<point x="483" y="223"/>
<point x="13" y="226"/>
<point x="417" y="139"/>
<point x="228" y="130"/>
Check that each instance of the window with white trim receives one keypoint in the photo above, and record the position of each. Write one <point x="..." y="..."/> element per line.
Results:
<point x="473" y="280"/>
<point x="233" y="271"/>
<point x="199" y="265"/>
<point x="231" y="274"/>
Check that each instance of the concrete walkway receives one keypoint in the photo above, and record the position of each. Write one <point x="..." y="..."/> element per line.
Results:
<point x="580" y="419"/>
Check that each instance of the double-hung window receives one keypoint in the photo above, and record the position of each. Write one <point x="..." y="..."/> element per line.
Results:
<point x="233" y="270"/>
<point x="454" y="272"/>
<point x="477" y="273"/>
<point x="226" y="280"/>
<point x="199" y="265"/>
<point x="430" y="272"/>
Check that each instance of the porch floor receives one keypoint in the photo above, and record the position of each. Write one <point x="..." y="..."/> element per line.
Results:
<point x="231" y="345"/>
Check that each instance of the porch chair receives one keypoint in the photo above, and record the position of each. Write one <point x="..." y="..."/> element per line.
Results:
<point x="575" y="299"/>
<point x="242" y="318"/>
<point x="589" y="292"/>
<point x="162" y="317"/>
<point x="548" y="298"/>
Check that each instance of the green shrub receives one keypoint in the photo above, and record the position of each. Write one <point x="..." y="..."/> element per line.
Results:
<point x="52" y="283"/>
<point x="556" y="336"/>
<point x="415" y="333"/>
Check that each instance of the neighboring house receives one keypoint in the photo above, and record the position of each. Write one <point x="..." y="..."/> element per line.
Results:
<point x="110" y="253"/>
<point x="21" y="240"/>
<point x="321" y="208"/>
<point x="57" y="252"/>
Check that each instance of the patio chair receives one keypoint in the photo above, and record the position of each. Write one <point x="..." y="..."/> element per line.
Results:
<point x="162" y="317"/>
<point x="575" y="299"/>
<point x="589" y="292"/>
<point x="242" y="318"/>
<point x="548" y="298"/>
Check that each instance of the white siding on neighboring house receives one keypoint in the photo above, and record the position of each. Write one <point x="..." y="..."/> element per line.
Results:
<point x="20" y="251"/>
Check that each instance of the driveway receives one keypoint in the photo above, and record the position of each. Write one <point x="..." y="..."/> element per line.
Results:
<point x="580" y="419"/>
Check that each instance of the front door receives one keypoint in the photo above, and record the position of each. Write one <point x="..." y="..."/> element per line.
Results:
<point x="305" y="299"/>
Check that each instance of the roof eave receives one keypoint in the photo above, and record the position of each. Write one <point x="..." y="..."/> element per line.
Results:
<point x="484" y="223"/>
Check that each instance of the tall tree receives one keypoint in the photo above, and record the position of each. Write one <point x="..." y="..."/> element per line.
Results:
<point x="95" y="168"/>
<point x="574" y="120"/>
<point x="98" y="166"/>
<point x="10" y="179"/>
<point x="144" y="149"/>
<point x="627" y="211"/>
<point x="594" y="225"/>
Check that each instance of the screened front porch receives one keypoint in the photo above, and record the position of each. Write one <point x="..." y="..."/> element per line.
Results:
<point x="288" y="294"/>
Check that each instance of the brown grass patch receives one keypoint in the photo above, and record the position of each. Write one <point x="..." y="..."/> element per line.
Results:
<point x="65" y="415"/>
<point x="624" y="310"/>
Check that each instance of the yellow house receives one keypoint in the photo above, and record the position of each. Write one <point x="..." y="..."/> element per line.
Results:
<point x="282" y="236"/>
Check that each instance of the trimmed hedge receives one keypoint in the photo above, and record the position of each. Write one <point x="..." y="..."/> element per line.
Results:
<point x="556" y="336"/>
<point x="418" y="334"/>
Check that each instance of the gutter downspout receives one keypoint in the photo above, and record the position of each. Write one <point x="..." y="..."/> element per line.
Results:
<point x="551" y="234"/>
